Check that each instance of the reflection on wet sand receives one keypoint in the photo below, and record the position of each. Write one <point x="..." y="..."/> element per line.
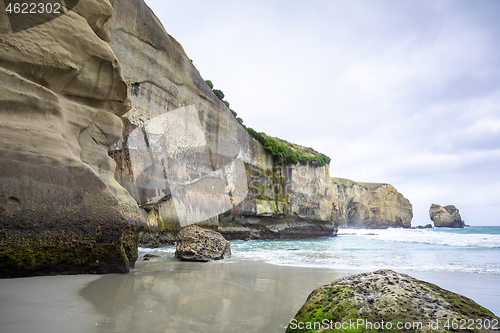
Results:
<point x="173" y="296"/>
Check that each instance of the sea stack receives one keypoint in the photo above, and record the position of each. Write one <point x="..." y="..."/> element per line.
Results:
<point x="447" y="216"/>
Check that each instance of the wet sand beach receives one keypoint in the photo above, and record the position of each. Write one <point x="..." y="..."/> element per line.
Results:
<point x="46" y="304"/>
<point x="173" y="296"/>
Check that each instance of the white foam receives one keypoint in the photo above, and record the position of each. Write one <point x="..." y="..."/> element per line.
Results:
<point x="157" y="250"/>
<point x="427" y="236"/>
<point x="399" y="249"/>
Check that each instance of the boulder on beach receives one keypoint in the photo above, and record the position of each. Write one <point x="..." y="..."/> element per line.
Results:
<point x="199" y="244"/>
<point x="447" y="216"/>
<point x="387" y="301"/>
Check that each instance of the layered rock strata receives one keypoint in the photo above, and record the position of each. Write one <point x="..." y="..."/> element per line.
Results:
<point x="61" y="210"/>
<point x="365" y="302"/>
<point x="185" y="158"/>
<point x="447" y="216"/>
<point x="199" y="244"/>
<point x="369" y="205"/>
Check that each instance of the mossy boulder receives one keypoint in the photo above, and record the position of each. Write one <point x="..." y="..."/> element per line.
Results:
<point x="200" y="244"/>
<point x="386" y="301"/>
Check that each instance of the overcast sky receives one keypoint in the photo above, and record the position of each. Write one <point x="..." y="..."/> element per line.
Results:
<point x="401" y="92"/>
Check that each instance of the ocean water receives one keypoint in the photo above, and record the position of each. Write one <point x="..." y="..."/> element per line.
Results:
<point x="470" y="250"/>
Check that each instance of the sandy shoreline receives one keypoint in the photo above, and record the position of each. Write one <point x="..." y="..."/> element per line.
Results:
<point x="48" y="304"/>
<point x="173" y="296"/>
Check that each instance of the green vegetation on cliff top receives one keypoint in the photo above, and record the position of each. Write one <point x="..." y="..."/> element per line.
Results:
<point x="350" y="183"/>
<point x="282" y="151"/>
<point x="287" y="152"/>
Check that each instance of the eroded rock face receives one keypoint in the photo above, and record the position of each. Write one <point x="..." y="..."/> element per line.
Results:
<point x="61" y="210"/>
<point x="447" y="216"/>
<point x="369" y="205"/>
<point x="289" y="201"/>
<point x="385" y="296"/>
<point x="199" y="244"/>
<point x="184" y="157"/>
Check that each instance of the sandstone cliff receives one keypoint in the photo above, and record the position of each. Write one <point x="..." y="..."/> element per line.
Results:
<point x="61" y="210"/>
<point x="186" y="159"/>
<point x="369" y="205"/>
<point x="447" y="216"/>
